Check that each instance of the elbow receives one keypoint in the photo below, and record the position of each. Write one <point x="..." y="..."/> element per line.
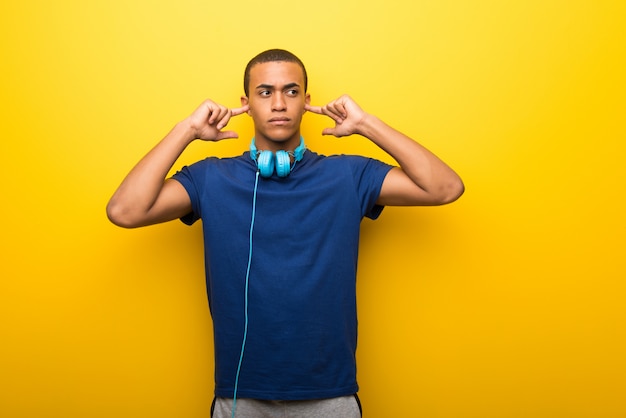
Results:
<point x="452" y="191"/>
<point x="119" y="215"/>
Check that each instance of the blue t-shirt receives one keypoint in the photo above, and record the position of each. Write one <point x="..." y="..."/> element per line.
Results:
<point x="302" y="323"/>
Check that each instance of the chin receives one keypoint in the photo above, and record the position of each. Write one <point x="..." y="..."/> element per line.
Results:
<point x="278" y="136"/>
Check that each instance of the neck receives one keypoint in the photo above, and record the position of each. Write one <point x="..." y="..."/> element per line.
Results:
<point x="270" y="144"/>
<point x="296" y="152"/>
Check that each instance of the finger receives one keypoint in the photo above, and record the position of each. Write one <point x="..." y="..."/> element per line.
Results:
<point x="336" y="132"/>
<point x="240" y="110"/>
<point x="217" y="113"/>
<point x="339" y="109"/>
<point x="333" y="113"/>
<point x="328" y="131"/>
<point x="224" y="120"/>
<point x="314" y="109"/>
<point x="227" y="135"/>
<point x="211" y="111"/>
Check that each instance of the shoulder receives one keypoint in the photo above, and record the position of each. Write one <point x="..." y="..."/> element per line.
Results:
<point x="360" y="166"/>
<point x="347" y="161"/>
<point x="216" y="164"/>
<point x="354" y="169"/>
<point x="213" y="172"/>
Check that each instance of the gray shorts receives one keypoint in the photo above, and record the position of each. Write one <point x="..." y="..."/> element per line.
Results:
<point x="342" y="407"/>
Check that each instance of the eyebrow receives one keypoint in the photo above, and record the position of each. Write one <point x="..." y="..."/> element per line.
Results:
<point x="270" y="87"/>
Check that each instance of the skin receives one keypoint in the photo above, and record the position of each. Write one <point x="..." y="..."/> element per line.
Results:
<point x="276" y="104"/>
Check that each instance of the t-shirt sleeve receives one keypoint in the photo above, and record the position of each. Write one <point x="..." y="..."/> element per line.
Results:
<point x="369" y="175"/>
<point x="191" y="180"/>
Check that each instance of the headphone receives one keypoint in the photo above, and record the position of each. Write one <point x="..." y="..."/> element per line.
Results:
<point x="267" y="161"/>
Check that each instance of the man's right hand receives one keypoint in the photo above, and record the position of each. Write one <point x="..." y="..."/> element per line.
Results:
<point x="208" y="120"/>
<point x="145" y="197"/>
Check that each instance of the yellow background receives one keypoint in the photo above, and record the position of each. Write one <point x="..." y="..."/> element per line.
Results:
<point x="507" y="303"/>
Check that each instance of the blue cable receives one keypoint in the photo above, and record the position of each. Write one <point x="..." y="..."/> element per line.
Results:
<point x="245" y="327"/>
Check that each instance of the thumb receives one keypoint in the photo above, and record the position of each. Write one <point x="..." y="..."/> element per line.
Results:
<point x="226" y="135"/>
<point x="328" y="131"/>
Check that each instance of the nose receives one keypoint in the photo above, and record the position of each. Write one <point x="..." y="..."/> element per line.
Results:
<point x="278" y="102"/>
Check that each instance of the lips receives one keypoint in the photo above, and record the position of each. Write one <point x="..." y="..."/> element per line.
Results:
<point x="279" y="121"/>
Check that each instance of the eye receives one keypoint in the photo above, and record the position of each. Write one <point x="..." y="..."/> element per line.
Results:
<point x="292" y="92"/>
<point x="264" y="93"/>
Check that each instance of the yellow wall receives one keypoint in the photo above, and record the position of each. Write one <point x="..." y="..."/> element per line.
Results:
<point x="508" y="303"/>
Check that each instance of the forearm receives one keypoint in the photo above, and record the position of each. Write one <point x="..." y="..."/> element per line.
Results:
<point x="427" y="171"/>
<point x="139" y="191"/>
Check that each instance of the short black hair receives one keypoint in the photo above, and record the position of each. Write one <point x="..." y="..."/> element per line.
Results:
<point x="271" y="55"/>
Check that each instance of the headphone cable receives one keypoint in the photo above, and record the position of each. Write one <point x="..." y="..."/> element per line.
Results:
<point x="245" y="327"/>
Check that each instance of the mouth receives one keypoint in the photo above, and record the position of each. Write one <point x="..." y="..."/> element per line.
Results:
<point x="279" y="121"/>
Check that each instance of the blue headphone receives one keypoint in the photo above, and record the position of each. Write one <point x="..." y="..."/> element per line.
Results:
<point x="267" y="161"/>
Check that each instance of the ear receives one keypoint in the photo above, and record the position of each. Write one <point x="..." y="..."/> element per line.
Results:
<point x="245" y="101"/>
<point x="307" y="99"/>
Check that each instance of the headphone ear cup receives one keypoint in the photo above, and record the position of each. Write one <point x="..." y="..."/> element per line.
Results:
<point x="283" y="163"/>
<point x="265" y="163"/>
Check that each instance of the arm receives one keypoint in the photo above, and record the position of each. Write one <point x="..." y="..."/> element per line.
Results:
<point x="145" y="197"/>
<point x="421" y="179"/>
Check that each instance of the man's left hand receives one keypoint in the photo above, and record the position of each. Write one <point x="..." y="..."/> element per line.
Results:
<point x="348" y="116"/>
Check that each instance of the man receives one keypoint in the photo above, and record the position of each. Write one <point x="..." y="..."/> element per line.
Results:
<point x="281" y="229"/>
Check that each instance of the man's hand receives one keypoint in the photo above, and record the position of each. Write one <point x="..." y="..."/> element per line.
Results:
<point x="208" y="120"/>
<point x="348" y="116"/>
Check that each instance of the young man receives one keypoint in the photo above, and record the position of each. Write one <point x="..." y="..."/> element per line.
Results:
<point x="281" y="229"/>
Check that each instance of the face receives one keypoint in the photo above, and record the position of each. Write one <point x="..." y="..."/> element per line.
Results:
<point x="276" y="100"/>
